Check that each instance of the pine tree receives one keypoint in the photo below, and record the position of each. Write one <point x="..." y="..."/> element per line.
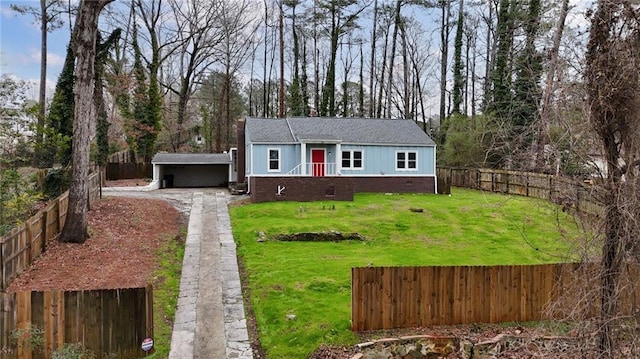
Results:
<point x="102" y="125"/>
<point x="60" y="119"/>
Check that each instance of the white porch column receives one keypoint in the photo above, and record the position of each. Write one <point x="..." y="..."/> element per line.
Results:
<point x="303" y="158"/>
<point x="338" y="158"/>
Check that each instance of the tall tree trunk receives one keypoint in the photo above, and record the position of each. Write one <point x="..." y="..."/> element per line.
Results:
<point x="383" y="68"/>
<point x="543" y="125"/>
<point x="265" y="80"/>
<point x="75" y="228"/>
<point x="328" y="104"/>
<point x="42" y="93"/>
<point x="458" y="81"/>
<point x="612" y="87"/>
<point x="444" y="58"/>
<point x="281" y="87"/>
<point x="405" y="72"/>
<point x="372" y="71"/>
<point x="392" y="57"/>
<point x="316" y="63"/>
<point x="304" y="80"/>
<point x="420" y="98"/>
<point x="491" y="41"/>
<point x="473" y="80"/>
<point x="361" y="87"/>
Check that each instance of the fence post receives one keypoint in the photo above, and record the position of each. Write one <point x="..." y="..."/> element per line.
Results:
<point x="508" y="175"/>
<point x="493" y="181"/>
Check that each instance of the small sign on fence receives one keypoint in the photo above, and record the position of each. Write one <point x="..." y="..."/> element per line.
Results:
<point x="147" y="344"/>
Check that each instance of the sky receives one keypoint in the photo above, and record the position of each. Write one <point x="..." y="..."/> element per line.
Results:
<point x="20" y="43"/>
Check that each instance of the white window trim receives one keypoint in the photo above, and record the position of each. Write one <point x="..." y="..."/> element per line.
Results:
<point x="406" y="161"/>
<point x="279" y="169"/>
<point x="352" y="160"/>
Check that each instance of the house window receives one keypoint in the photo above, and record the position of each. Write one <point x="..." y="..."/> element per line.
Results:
<point x="406" y="160"/>
<point x="352" y="159"/>
<point x="274" y="160"/>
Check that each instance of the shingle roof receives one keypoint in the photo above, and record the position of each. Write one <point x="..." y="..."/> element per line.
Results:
<point x="345" y="130"/>
<point x="191" y="158"/>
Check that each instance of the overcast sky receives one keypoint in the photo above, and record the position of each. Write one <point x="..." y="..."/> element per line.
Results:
<point x="20" y="42"/>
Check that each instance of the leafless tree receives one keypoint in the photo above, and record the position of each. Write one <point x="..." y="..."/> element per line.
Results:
<point x="613" y="87"/>
<point x="237" y="27"/>
<point x="550" y="84"/>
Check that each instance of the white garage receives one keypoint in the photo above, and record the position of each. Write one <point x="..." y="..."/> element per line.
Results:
<point x="192" y="170"/>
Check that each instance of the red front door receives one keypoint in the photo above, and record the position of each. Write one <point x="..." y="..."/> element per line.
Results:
<point x="317" y="162"/>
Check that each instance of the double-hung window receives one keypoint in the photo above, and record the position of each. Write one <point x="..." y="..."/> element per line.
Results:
<point x="274" y="160"/>
<point x="406" y="161"/>
<point x="352" y="160"/>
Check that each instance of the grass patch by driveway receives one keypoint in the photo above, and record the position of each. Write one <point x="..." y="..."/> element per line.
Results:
<point x="301" y="291"/>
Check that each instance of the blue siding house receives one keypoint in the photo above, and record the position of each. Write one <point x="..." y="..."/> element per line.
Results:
<point x="314" y="158"/>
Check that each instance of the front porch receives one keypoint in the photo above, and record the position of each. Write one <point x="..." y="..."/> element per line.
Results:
<point x="316" y="169"/>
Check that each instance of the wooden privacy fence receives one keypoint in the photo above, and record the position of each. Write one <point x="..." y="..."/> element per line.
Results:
<point x="128" y="170"/>
<point x="23" y="244"/>
<point x="405" y="297"/>
<point x="123" y="156"/>
<point x="111" y="323"/>
<point x="569" y="193"/>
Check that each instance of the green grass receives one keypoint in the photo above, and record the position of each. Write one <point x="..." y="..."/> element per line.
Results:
<point x="165" y="294"/>
<point x="312" y="280"/>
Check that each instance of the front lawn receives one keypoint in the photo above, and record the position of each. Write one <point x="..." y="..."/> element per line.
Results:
<point x="301" y="291"/>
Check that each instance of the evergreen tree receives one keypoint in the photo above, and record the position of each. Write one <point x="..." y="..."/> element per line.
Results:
<point x="102" y="125"/>
<point x="500" y="102"/>
<point x="142" y="135"/>
<point x="526" y="87"/>
<point x="60" y="119"/>
<point x="296" y="105"/>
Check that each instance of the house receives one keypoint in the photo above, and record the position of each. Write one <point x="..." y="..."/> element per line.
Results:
<point x="316" y="158"/>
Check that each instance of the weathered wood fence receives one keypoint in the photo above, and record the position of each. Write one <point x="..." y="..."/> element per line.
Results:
<point x="105" y="321"/>
<point x="404" y="297"/>
<point x="124" y="156"/>
<point x="124" y="165"/>
<point x="111" y="323"/>
<point x="23" y="244"/>
<point x="569" y="193"/>
<point x="128" y="170"/>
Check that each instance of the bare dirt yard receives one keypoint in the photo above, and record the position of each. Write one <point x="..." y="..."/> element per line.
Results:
<point x="125" y="235"/>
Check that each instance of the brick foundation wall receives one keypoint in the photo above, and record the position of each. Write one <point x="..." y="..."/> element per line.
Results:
<point x="241" y="155"/>
<point x="265" y="189"/>
<point x="389" y="184"/>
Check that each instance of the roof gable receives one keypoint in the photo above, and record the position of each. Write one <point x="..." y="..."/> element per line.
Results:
<point x="330" y="129"/>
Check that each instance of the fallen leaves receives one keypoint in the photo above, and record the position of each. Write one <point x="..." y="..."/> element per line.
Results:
<point x="126" y="233"/>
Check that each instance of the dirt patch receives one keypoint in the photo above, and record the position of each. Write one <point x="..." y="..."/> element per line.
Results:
<point x="318" y="237"/>
<point x="125" y="234"/>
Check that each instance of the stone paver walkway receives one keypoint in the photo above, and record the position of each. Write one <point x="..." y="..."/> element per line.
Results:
<point x="210" y="321"/>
